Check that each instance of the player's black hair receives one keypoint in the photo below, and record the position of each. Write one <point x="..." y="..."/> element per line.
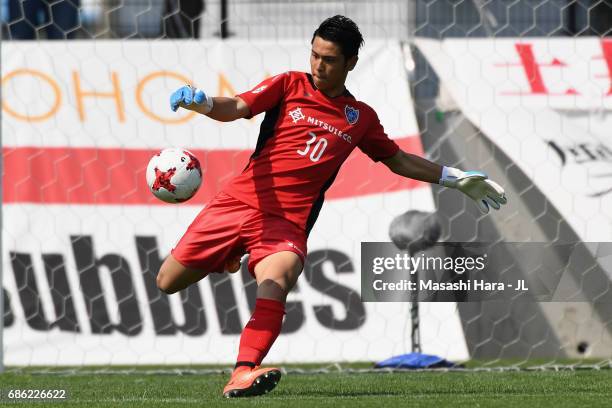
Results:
<point x="342" y="31"/>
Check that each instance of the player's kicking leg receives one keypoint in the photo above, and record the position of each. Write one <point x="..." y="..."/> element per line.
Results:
<point x="173" y="276"/>
<point x="276" y="275"/>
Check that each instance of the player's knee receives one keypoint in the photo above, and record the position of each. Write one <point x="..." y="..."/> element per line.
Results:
<point x="164" y="283"/>
<point x="271" y="289"/>
<point x="277" y="274"/>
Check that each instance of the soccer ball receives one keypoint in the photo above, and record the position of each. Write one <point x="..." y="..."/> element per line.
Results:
<point x="174" y="175"/>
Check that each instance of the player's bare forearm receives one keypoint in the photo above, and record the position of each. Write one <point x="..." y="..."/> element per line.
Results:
<point x="224" y="109"/>
<point x="414" y="167"/>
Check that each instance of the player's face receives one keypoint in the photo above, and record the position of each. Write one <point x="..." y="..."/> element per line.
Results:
<point x="329" y="67"/>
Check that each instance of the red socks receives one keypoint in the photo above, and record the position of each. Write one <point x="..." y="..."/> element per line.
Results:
<point x="261" y="331"/>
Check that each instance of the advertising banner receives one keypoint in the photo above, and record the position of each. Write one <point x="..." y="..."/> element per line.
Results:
<point x="83" y="238"/>
<point x="546" y="104"/>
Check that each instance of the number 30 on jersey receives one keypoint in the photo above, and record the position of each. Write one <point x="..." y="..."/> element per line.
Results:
<point x="317" y="149"/>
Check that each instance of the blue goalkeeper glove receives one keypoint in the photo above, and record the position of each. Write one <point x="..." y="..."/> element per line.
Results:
<point x="475" y="184"/>
<point x="186" y="95"/>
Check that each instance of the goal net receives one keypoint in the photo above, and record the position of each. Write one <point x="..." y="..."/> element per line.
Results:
<point x="83" y="239"/>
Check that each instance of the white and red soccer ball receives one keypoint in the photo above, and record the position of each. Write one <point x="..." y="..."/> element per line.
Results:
<point x="174" y="175"/>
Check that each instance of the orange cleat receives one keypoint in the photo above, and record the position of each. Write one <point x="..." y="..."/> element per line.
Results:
<point x="250" y="382"/>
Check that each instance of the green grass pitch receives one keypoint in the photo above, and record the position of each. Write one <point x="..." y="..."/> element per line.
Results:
<point x="583" y="388"/>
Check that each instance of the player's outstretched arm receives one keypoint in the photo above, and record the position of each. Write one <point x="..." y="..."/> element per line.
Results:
<point x="220" y="108"/>
<point x="475" y="184"/>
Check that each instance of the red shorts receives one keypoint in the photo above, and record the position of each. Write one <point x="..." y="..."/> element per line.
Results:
<point x="227" y="228"/>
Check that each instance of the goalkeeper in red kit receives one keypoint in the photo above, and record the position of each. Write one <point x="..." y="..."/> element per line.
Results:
<point x="312" y="123"/>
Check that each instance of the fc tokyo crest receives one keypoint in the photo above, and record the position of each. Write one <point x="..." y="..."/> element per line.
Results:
<point x="352" y="114"/>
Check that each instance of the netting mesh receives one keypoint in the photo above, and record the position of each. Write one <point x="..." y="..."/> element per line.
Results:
<point x="167" y="19"/>
<point x="79" y="270"/>
<point x="468" y="139"/>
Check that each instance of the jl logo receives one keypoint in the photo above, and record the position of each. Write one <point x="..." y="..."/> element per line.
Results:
<point x="352" y="114"/>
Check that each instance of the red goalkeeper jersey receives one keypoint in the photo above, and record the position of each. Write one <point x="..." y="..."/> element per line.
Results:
<point x="303" y="140"/>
